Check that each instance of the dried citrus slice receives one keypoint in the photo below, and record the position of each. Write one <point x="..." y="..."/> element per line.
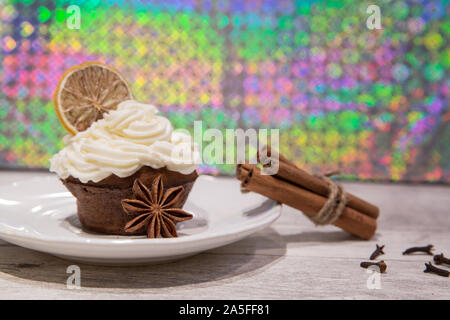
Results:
<point x="86" y="91"/>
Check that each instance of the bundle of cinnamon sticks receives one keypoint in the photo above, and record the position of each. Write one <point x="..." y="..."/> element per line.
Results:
<point x="299" y="189"/>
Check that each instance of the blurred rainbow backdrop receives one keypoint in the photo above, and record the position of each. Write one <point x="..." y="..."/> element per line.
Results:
<point x="374" y="103"/>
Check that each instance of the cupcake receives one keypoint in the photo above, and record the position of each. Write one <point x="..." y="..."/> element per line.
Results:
<point x="125" y="167"/>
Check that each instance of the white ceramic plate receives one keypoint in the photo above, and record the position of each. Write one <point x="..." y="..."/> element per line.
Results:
<point x="40" y="214"/>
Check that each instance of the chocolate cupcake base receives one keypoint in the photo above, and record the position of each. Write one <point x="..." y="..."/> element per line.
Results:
<point x="100" y="205"/>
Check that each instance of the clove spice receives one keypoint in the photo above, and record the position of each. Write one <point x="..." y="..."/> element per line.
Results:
<point x="429" y="268"/>
<point x="440" y="259"/>
<point x="427" y="249"/>
<point x="382" y="266"/>
<point x="378" y="251"/>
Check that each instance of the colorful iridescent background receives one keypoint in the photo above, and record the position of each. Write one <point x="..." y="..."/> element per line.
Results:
<point x="374" y="103"/>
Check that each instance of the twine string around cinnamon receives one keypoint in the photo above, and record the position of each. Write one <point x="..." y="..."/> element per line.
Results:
<point x="335" y="204"/>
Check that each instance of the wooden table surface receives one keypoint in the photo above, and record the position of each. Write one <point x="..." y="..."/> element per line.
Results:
<point x="292" y="259"/>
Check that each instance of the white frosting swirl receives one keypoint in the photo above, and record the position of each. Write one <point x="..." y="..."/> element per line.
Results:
<point x="124" y="141"/>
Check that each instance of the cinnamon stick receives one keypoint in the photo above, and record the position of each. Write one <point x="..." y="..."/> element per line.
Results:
<point x="302" y="199"/>
<point x="290" y="172"/>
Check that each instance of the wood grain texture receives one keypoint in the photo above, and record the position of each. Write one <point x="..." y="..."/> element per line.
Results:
<point x="292" y="259"/>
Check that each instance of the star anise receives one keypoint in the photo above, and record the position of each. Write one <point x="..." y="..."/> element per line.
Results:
<point x="154" y="209"/>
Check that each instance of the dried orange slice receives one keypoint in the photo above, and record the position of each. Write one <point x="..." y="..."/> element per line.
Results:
<point x="86" y="91"/>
